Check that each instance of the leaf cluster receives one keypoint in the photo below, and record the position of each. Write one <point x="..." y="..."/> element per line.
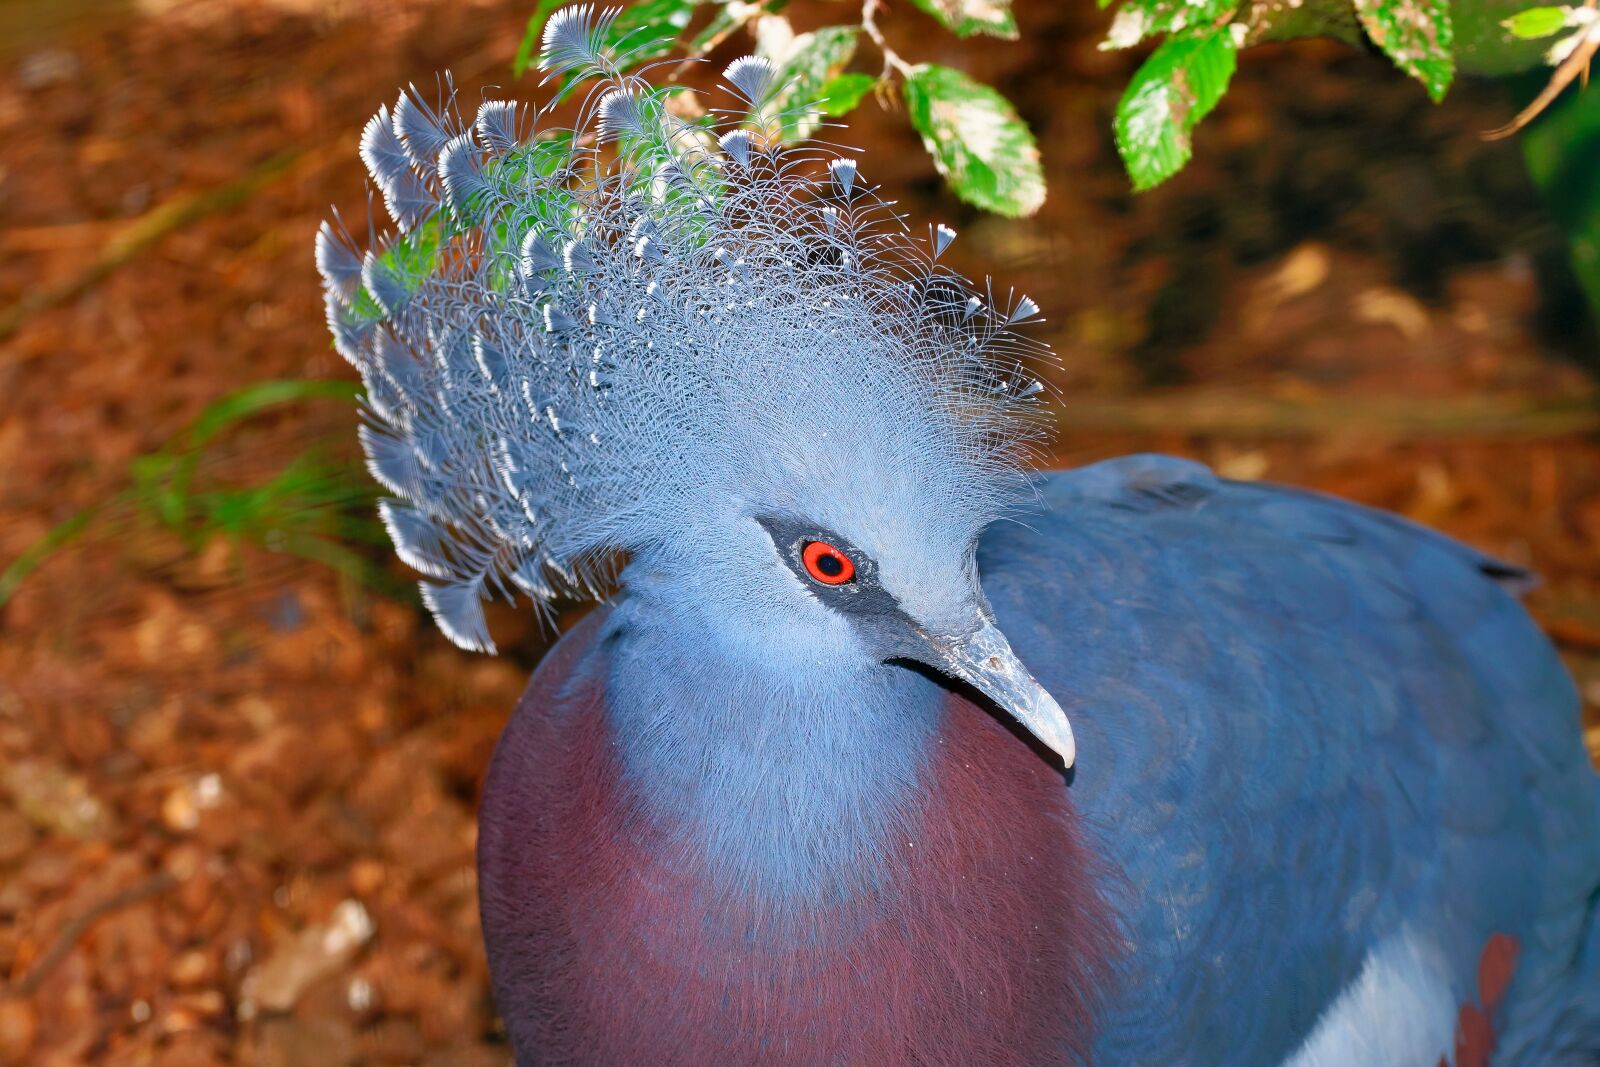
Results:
<point x="974" y="135"/>
<point x="1183" y="78"/>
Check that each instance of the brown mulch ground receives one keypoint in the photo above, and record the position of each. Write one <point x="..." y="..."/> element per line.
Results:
<point x="240" y="788"/>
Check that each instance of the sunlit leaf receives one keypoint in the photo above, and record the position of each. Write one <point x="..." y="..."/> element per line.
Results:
<point x="840" y="95"/>
<point x="731" y="14"/>
<point x="806" y="62"/>
<point x="1537" y="22"/>
<point x="409" y="261"/>
<point x="649" y="29"/>
<point x="1175" y="88"/>
<point x="1138" y="19"/>
<point x="728" y="17"/>
<point x="1417" y="35"/>
<point x="977" y="140"/>
<point x="967" y="17"/>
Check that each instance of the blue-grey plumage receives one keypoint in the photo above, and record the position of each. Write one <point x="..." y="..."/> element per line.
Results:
<point x="1331" y="806"/>
<point x="1314" y="737"/>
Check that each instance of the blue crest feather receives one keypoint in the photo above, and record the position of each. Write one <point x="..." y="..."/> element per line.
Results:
<point x="496" y="126"/>
<point x="420" y="129"/>
<point x="580" y="340"/>
<point x="574" y="41"/>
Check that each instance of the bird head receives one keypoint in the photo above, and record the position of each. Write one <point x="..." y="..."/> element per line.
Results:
<point x="725" y="357"/>
<point x="839" y="540"/>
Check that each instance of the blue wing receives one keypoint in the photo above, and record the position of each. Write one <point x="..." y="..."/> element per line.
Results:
<point x="1306" y="731"/>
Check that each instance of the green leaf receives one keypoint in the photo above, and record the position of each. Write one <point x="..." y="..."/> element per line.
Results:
<point x="805" y="62"/>
<point x="1417" y="35"/>
<point x="309" y="495"/>
<point x="977" y="140"/>
<point x="1139" y="19"/>
<point x="1175" y="88"/>
<point x="1561" y="151"/>
<point x="58" y="537"/>
<point x="722" y="23"/>
<point x="164" y="477"/>
<point x="313" y="499"/>
<point x="967" y="17"/>
<point x="649" y="29"/>
<point x="1537" y="22"/>
<point x="252" y="399"/>
<point x="840" y="95"/>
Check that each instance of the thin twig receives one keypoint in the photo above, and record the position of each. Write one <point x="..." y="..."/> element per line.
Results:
<point x="1577" y="63"/>
<point x="891" y="58"/>
<point x="152" y="886"/>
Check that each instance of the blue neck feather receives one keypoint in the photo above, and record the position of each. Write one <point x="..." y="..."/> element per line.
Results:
<point x="788" y="771"/>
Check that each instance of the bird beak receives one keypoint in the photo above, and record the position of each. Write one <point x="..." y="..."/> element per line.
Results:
<point x="985" y="661"/>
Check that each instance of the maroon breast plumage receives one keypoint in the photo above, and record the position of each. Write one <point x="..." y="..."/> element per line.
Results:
<point x="611" y="941"/>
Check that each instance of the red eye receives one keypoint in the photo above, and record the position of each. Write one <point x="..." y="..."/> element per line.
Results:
<point x="827" y="564"/>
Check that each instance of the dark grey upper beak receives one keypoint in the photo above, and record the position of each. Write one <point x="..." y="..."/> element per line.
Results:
<point x="984" y="660"/>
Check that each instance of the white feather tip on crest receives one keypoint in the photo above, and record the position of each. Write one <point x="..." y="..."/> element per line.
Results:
<point x="752" y="77"/>
<point x="736" y="143"/>
<point x="574" y="39"/>
<point x="844" y="175"/>
<point x="1025" y="309"/>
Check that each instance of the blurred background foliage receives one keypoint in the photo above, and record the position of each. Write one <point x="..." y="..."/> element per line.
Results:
<point x="311" y="508"/>
<point x="1563" y="153"/>
<point x="237" y="767"/>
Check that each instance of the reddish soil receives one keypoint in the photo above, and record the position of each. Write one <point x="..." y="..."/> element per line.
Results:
<point x="239" y="788"/>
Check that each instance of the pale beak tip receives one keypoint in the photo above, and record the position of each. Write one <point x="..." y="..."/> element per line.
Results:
<point x="985" y="660"/>
<point x="1057" y="736"/>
